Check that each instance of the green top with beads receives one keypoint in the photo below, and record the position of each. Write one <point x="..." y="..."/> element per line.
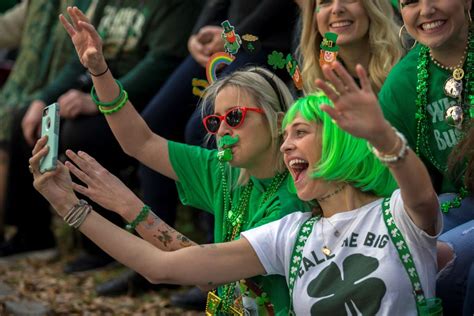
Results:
<point x="398" y="100"/>
<point x="200" y="185"/>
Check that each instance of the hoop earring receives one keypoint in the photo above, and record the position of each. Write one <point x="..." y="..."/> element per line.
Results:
<point x="400" y="37"/>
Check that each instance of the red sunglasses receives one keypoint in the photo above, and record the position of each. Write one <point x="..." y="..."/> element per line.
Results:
<point x="233" y="118"/>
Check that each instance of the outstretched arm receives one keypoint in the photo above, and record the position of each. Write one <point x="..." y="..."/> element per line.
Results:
<point x="108" y="191"/>
<point x="357" y="111"/>
<point x="131" y="131"/>
<point x="201" y="265"/>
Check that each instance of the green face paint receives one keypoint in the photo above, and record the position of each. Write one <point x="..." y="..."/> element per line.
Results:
<point x="225" y="154"/>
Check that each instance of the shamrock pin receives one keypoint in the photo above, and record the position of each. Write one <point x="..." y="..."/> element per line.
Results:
<point x="344" y="291"/>
<point x="276" y="60"/>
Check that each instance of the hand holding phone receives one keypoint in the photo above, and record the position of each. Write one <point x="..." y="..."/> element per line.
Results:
<point x="50" y="127"/>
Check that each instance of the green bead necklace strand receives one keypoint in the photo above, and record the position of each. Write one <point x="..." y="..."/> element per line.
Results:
<point x="234" y="219"/>
<point x="422" y="115"/>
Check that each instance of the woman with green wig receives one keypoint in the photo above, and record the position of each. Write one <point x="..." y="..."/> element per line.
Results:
<point x="370" y="248"/>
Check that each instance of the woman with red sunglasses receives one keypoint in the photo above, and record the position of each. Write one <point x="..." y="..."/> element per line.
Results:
<point x="245" y="185"/>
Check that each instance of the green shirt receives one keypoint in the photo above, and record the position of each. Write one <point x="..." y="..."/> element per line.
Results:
<point x="143" y="43"/>
<point x="397" y="98"/>
<point x="200" y="185"/>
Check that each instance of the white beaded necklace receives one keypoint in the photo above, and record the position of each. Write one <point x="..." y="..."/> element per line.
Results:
<point x="452" y="68"/>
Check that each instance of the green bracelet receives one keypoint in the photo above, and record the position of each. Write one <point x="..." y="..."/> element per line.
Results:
<point x="140" y="218"/>
<point x="117" y="108"/>
<point x="111" y="103"/>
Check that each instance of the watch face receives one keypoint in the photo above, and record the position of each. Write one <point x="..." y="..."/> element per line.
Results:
<point x="453" y="88"/>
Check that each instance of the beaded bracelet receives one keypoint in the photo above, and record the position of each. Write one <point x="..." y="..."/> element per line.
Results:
<point x="111" y="103"/>
<point x="120" y="105"/>
<point x="140" y="218"/>
<point x="393" y="158"/>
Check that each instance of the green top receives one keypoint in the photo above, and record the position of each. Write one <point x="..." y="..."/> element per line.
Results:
<point x="397" y="98"/>
<point x="44" y="49"/>
<point x="143" y="43"/>
<point x="200" y="185"/>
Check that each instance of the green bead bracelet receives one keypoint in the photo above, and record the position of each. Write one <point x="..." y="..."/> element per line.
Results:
<point x="140" y="218"/>
<point x="120" y="105"/>
<point x="95" y="98"/>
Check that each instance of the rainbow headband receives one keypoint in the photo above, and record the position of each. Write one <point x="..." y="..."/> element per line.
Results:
<point x="214" y="62"/>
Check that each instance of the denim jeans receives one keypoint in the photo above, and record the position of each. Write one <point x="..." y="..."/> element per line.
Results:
<point x="457" y="216"/>
<point x="455" y="283"/>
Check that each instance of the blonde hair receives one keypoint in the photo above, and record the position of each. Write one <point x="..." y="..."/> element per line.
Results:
<point x="384" y="45"/>
<point x="254" y="81"/>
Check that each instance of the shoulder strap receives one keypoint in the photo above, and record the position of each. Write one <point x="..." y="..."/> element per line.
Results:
<point x="430" y="306"/>
<point x="295" y="261"/>
<point x="403" y="251"/>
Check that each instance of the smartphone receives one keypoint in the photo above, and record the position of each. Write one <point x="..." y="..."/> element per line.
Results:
<point x="50" y="127"/>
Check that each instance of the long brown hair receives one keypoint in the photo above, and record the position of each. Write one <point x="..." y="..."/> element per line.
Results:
<point x="462" y="156"/>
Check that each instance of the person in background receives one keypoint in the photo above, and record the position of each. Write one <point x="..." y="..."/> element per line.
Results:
<point x="428" y="96"/>
<point x="43" y="49"/>
<point x="371" y="24"/>
<point x="143" y="44"/>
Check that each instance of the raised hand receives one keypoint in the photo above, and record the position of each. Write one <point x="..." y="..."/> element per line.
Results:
<point x="356" y="110"/>
<point x="101" y="186"/>
<point x="55" y="186"/>
<point x="86" y="40"/>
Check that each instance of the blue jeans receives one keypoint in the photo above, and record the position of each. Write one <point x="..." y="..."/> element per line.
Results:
<point x="167" y="115"/>
<point x="457" y="216"/>
<point x="455" y="283"/>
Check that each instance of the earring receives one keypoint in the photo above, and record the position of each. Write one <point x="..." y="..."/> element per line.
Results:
<point x="469" y="16"/>
<point x="400" y="37"/>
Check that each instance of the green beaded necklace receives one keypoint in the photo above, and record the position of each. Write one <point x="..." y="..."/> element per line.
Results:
<point x="422" y="116"/>
<point x="234" y="218"/>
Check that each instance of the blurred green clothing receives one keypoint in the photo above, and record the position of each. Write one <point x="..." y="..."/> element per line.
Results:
<point x="7" y="4"/>
<point x="143" y="42"/>
<point x="44" y="50"/>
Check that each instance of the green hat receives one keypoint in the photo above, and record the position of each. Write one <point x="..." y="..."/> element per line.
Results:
<point x="329" y="42"/>
<point x="227" y="27"/>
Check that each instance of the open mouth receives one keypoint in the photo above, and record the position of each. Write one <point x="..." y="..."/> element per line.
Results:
<point x="298" y="168"/>
<point x="340" y="24"/>
<point x="433" y="25"/>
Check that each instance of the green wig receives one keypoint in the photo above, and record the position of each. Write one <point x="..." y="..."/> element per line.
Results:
<point x="344" y="157"/>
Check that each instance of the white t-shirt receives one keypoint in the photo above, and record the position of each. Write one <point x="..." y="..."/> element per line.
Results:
<point x="363" y="274"/>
